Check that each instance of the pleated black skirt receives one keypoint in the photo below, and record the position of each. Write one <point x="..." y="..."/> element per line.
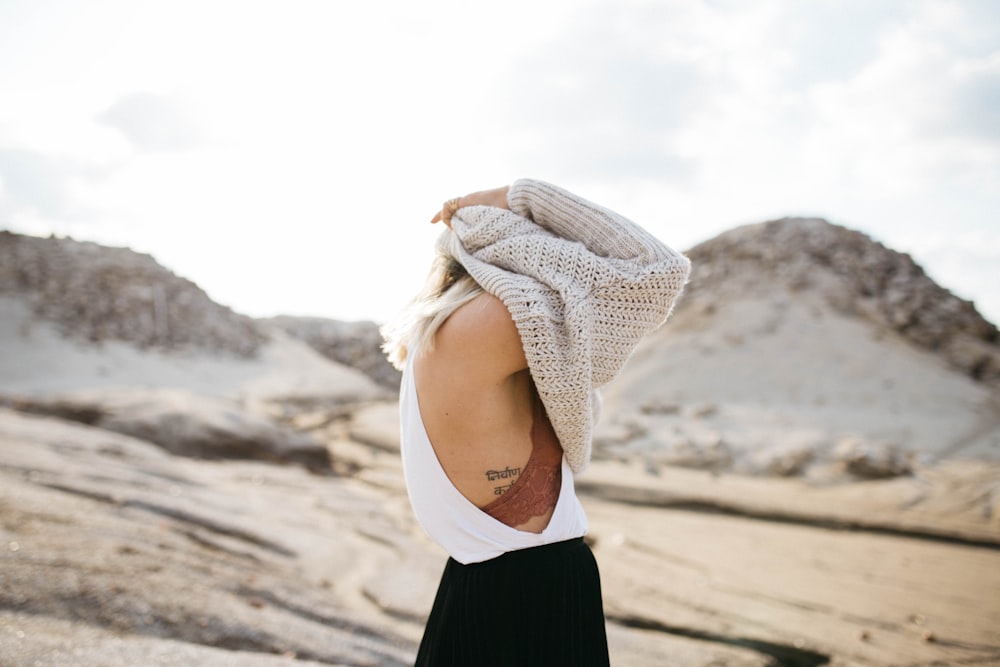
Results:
<point x="539" y="606"/>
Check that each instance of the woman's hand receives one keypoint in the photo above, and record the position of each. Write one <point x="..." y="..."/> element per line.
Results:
<point x="496" y="197"/>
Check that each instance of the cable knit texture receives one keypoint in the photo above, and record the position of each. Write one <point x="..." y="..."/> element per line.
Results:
<point x="583" y="285"/>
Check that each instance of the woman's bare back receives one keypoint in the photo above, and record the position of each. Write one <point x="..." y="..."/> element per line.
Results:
<point x="477" y="402"/>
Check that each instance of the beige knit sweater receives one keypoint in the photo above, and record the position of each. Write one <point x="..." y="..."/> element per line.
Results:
<point x="583" y="285"/>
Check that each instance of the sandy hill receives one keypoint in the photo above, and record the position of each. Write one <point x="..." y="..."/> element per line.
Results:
<point x="111" y="331"/>
<point x="93" y="293"/>
<point x="79" y="315"/>
<point x="355" y="344"/>
<point x="799" y="343"/>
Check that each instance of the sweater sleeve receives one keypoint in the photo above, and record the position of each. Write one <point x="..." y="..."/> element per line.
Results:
<point x="571" y="244"/>
<point x="610" y="280"/>
<point x="603" y="232"/>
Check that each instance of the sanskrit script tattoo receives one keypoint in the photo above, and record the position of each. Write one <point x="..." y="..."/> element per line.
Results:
<point x="505" y="477"/>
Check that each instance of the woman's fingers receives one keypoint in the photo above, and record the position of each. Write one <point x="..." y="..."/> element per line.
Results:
<point x="447" y="210"/>
<point x="496" y="197"/>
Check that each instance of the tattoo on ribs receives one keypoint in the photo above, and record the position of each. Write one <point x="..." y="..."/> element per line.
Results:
<point x="508" y="475"/>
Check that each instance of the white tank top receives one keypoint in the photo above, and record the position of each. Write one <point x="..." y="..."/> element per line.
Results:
<point x="467" y="533"/>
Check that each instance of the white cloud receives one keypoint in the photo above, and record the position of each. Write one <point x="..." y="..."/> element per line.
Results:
<point x="903" y="121"/>
<point x="318" y="136"/>
<point x="875" y="115"/>
<point x="152" y="122"/>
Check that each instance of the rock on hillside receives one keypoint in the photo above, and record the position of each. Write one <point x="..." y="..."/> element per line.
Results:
<point x="354" y="344"/>
<point x="96" y="293"/>
<point x="186" y="424"/>
<point x="802" y="346"/>
<point x="854" y="274"/>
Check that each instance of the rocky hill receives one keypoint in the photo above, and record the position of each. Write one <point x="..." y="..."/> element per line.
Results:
<point x="95" y="294"/>
<point x="76" y="315"/>
<point x="852" y="273"/>
<point x="800" y="346"/>
<point x="355" y="344"/>
<point x="110" y="338"/>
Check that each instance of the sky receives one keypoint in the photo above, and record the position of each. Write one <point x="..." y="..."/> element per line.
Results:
<point x="288" y="156"/>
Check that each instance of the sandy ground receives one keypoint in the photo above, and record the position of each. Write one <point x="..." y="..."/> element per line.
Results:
<point x="114" y="548"/>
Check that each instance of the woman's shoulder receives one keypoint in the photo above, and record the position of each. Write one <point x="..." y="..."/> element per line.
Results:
<point x="482" y="338"/>
<point x="485" y="311"/>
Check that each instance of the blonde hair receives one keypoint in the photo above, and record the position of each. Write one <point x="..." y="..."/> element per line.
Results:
<point x="448" y="287"/>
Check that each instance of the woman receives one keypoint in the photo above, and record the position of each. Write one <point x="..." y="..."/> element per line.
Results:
<point x="537" y="298"/>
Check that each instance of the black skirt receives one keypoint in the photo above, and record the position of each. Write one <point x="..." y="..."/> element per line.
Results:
<point x="538" y="606"/>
